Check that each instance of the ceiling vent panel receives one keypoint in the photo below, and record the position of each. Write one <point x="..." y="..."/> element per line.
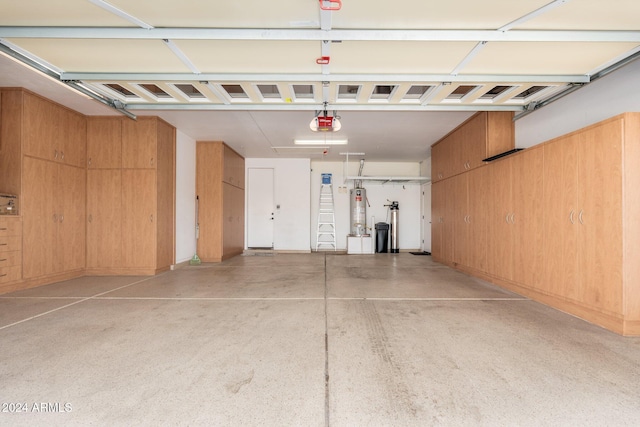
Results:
<point x="155" y="91"/>
<point x="190" y="91"/>
<point x="235" y="91"/>
<point x="120" y="90"/>
<point x="269" y="91"/>
<point x="303" y="91"/>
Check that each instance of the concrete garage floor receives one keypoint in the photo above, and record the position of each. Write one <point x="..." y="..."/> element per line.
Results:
<point x="307" y="340"/>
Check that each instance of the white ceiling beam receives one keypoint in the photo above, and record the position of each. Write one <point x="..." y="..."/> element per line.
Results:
<point x="312" y="78"/>
<point x="318" y="35"/>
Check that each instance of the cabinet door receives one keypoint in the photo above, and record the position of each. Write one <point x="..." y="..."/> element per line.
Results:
<point x="39" y="118"/>
<point x="437" y="213"/>
<point x="473" y="142"/>
<point x="104" y="224"/>
<point x="599" y="216"/>
<point x="477" y="219"/>
<point x="439" y="161"/>
<point x="104" y="142"/>
<point x="139" y="218"/>
<point x="40" y="217"/>
<point x="139" y="143"/>
<point x="560" y="218"/>
<point x="448" y="222"/>
<point x="233" y="207"/>
<point x="71" y="238"/>
<point x="71" y="138"/>
<point x="499" y="240"/>
<point x="460" y="215"/>
<point x="528" y="250"/>
<point x="165" y="193"/>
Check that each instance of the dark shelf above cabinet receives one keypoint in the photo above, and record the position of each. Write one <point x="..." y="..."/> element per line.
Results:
<point x="498" y="156"/>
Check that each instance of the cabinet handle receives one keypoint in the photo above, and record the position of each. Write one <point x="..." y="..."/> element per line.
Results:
<point x="3" y="259"/>
<point x="2" y="275"/>
<point x="571" y="217"/>
<point x="580" y="216"/>
<point x="513" y="218"/>
<point x="90" y="218"/>
<point x="62" y="155"/>
<point x="4" y="244"/>
<point x="61" y="218"/>
<point x="55" y="154"/>
<point x="151" y="161"/>
<point x="55" y="218"/>
<point x="89" y="161"/>
<point x="3" y="229"/>
<point x="506" y="218"/>
<point x="151" y="217"/>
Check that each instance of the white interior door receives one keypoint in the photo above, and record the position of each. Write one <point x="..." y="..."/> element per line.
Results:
<point x="260" y="208"/>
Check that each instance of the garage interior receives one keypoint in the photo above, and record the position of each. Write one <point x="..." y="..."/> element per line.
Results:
<point x="143" y="282"/>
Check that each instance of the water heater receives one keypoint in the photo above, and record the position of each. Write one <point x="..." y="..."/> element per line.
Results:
<point x="358" y="205"/>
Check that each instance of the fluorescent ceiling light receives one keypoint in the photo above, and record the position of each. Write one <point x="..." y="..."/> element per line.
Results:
<point x="320" y="141"/>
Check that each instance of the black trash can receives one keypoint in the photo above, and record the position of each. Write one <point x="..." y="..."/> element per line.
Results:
<point x="382" y="237"/>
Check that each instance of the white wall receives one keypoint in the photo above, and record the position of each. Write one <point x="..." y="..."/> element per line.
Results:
<point x="291" y="191"/>
<point x="185" y="197"/>
<point x="616" y="93"/>
<point x="407" y="195"/>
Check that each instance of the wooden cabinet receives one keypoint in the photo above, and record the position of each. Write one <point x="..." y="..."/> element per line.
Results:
<point x="561" y="221"/>
<point x="52" y="132"/>
<point x="139" y="146"/>
<point x="104" y="213"/>
<point x="10" y="250"/>
<point x="139" y="217"/>
<point x="470" y="228"/>
<point x="43" y="160"/>
<point x="130" y="217"/>
<point x="54" y="231"/>
<point x="220" y="190"/>
<point x="438" y="195"/>
<point x="514" y="243"/>
<point x="483" y="135"/>
<point x="527" y="201"/>
<point x="104" y="142"/>
<point x="583" y="224"/>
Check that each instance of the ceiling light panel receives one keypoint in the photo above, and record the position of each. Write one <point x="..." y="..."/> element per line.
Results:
<point x="594" y="15"/>
<point x="250" y="56"/>
<point x="220" y="14"/>
<point x="105" y="55"/>
<point x="452" y="14"/>
<point x="60" y="13"/>
<point x="544" y="57"/>
<point x="394" y="57"/>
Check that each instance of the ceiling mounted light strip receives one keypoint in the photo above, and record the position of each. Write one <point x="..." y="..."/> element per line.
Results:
<point x="122" y="14"/>
<point x="330" y="4"/>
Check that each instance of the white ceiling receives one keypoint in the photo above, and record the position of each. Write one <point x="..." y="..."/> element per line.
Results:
<point x="391" y="70"/>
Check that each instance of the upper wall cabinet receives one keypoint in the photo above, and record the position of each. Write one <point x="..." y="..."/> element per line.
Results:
<point x="484" y="135"/>
<point x="139" y="143"/>
<point x="233" y="168"/>
<point x="104" y="142"/>
<point x="52" y="132"/>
